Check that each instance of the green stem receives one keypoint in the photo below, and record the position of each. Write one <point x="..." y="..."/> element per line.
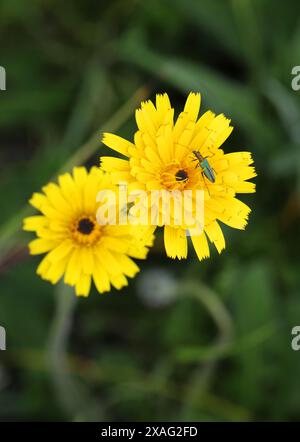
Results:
<point x="57" y="349"/>
<point x="214" y="306"/>
<point x="201" y="378"/>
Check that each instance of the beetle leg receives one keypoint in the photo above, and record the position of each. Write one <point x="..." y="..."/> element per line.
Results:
<point x="203" y="176"/>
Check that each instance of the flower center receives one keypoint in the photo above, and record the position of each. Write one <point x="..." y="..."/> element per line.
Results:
<point x="85" y="226"/>
<point x="174" y="177"/>
<point x="181" y="175"/>
<point x="85" y="230"/>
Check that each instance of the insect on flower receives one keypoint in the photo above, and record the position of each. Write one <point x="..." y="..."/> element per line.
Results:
<point x="207" y="170"/>
<point x="162" y="157"/>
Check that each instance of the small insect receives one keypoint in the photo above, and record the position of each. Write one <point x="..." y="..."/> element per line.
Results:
<point x="207" y="170"/>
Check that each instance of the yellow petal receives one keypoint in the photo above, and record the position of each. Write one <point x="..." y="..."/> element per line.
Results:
<point x="175" y="242"/>
<point x="40" y="245"/>
<point x="74" y="268"/>
<point x="192" y="105"/>
<point x="70" y="191"/>
<point x="108" y="261"/>
<point x="56" y="271"/>
<point x="80" y="176"/>
<point x="180" y="125"/>
<point x="144" y="123"/>
<point x="235" y="214"/>
<point x="83" y="285"/>
<point x="243" y="172"/>
<point x="119" y="281"/>
<point x="54" y="214"/>
<point x="117" y="143"/>
<point x="119" y="177"/>
<point x="187" y="134"/>
<point x="54" y="195"/>
<point x="243" y="158"/>
<point x="150" y="113"/>
<point x="32" y="223"/>
<point x="43" y="267"/>
<point x="101" y="278"/>
<point x="61" y="251"/>
<point x="90" y="192"/>
<point x="163" y="105"/>
<point x="116" y="244"/>
<point x="215" y="235"/>
<point x="87" y="258"/>
<point x="218" y="131"/>
<point x="165" y="148"/>
<point x="38" y="200"/>
<point x="201" y="131"/>
<point x="245" y="187"/>
<point x="201" y="246"/>
<point x="153" y="156"/>
<point x="110" y="164"/>
<point x="129" y="267"/>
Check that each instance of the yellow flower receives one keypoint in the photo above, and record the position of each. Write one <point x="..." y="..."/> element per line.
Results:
<point x="76" y="245"/>
<point x="185" y="155"/>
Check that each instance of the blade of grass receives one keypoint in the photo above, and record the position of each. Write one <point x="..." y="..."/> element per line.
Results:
<point x="197" y="354"/>
<point x="213" y="17"/>
<point x="250" y="37"/>
<point x="222" y="94"/>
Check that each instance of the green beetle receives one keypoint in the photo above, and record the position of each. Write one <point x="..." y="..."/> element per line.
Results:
<point x="207" y="170"/>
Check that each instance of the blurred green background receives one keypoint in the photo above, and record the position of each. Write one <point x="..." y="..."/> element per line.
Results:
<point x="186" y="340"/>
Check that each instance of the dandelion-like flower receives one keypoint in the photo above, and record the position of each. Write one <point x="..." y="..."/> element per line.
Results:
<point x="185" y="155"/>
<point x="76" y="246"/>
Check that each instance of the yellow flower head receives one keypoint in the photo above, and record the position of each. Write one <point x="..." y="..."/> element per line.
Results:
<point x="76" y="245"/>
<point x="185" y="155"/>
